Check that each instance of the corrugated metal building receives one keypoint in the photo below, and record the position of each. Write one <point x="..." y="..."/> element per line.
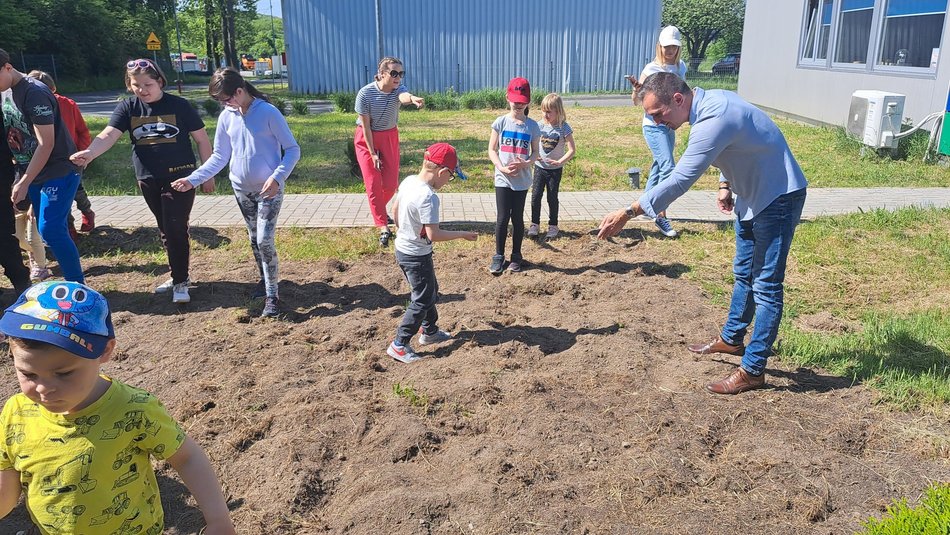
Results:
<point x="559" y="45"/>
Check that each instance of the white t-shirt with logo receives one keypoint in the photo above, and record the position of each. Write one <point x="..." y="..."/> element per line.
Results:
<point x="418" y="206"/>
<point x="514" y="141"/>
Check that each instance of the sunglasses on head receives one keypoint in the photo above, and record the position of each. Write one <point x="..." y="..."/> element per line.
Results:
<point x="397" y="74"/>
<point x="138" y="63"/>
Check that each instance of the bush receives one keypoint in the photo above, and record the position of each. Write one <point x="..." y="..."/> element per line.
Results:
<point x="483" y="99"/>
<point x="537" y="95"/>
<point x="448" y="100"/>
<point x="280" y="104"/>
<point x="300" y="107"/>
<point x="350" y="150"/>
<point x="344" y="102"/>
<point x="211" y="106"/>
<point x="931" y="516"/>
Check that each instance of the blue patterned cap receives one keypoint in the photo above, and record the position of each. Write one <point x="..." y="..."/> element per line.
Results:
<point x="66" y="314"/>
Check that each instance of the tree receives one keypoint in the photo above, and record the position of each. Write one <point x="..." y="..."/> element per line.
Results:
<point x="703" y="21"/>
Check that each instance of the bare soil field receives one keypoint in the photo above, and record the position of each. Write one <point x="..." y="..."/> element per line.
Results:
<point x="566" y="403"/>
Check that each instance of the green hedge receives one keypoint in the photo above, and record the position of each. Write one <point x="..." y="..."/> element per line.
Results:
<point x="932" y="516"/>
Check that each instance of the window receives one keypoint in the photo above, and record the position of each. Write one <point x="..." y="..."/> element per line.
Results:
<point x="817" y="30"/>
<point x="873" y="35"/>
<point x="911" y="33"/>
<point x="854" y="31"/>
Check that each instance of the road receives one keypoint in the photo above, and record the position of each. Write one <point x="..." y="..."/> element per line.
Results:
<point x="102" y="103"/>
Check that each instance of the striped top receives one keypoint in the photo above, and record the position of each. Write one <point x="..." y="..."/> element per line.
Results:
<point x="382" y="108"/>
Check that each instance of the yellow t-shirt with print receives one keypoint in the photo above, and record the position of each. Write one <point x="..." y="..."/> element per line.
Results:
<point x="89" y="473"/>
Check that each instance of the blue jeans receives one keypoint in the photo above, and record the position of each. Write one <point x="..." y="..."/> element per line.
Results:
<point x="762" y="245"/>
<point x="424" y="294"/>
<point x="52" y="201"/>
<point x="260" y="216"/>
<point x="660" y="139"/>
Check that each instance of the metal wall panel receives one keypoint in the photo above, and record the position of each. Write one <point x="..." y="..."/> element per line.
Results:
<point x="558" y="45"/>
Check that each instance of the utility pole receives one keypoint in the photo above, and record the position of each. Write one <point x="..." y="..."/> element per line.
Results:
<point x="181" y="65"/>
<point x="273" y="36"/>
<point x="379" y="29"/>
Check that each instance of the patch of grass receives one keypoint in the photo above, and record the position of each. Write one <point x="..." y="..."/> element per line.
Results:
<point x="609" y="140"/>
<point x="343" y="244"/>
<point x="932" y="515"/>
<point x="408" y="393"/>
<point x="885" y="273"/>
<point x="906" y="358"/>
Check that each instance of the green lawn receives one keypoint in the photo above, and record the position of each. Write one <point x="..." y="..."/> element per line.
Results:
<point x="609" y="141"/>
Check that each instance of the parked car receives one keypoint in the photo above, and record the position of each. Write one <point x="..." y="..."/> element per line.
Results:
<point x="727" y="65"/>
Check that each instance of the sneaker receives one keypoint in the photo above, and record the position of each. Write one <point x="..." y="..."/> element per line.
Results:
<point x="533" y="230"/>
<point x="434" y="338"/>
<point x="88" y="222"/>
<point x="514" y="266"/>
<point x="497" y="265"/>
<point x="168" y="285"/>
<point x="259" y="291"/>
<point x="180" y="293"/>
<point x="271" y="307"/>
<point x="39" y="274"/>
<point x="665" y="227"/>
<point x="384" y="237"/>
<point x="552" y="231"/>
<point x="402" y="353"/>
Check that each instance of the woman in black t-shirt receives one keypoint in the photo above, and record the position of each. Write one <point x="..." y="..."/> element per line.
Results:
<point x="159" y="126"/>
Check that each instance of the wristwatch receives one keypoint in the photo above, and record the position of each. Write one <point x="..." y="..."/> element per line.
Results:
<point x="629" y="211"/>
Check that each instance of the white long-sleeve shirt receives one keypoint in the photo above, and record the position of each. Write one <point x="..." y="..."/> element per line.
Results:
<point x="252" y="143"/>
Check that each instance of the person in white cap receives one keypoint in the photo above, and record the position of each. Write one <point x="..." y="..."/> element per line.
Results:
<point x="659" y="138"/>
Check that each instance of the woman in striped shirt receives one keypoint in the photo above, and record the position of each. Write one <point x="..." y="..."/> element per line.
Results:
<point x="377" y="138"/>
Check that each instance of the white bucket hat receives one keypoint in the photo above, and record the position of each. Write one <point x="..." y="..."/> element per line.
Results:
<point x="670" y="36"/>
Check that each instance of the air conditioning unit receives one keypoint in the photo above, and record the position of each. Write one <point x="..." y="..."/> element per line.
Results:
<point x="875" y="117"/>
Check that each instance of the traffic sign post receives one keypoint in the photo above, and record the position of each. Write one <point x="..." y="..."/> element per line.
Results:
<point x="153" y="42"/>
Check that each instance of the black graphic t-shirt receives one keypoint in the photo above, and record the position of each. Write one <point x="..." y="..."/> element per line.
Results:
<point x="160" y="134"/>
<point x="34" y="104"/>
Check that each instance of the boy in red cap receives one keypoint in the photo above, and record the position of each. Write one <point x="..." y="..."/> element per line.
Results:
<point x="416" y="211"/>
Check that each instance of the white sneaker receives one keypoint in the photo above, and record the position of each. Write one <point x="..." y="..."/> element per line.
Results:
<point x="434" y="338"/>
<point x="552" y="231"/>
<point x="166" y="286"/>
<point x="180" y="293"/>
<point x="533" y="230"/>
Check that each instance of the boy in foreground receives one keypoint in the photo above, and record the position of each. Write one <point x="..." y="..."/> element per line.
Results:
<point x="417" y="215"/>
<point x="77" y="442"/>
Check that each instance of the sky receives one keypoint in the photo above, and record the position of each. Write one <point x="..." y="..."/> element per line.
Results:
<point x="263" y="7"/>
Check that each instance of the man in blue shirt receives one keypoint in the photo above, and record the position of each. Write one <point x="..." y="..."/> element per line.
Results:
<point x="755" y="163"/>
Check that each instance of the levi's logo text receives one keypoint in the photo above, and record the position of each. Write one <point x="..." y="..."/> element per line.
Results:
<point x="515" y="142"/>
<point x="73" y="337"/>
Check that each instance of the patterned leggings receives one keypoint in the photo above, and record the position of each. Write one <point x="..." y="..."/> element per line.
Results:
<point x="260" y="216"/>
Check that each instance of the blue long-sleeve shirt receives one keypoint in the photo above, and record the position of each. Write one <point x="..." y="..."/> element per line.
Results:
<point x="746" y="146"/>
<point x="252" y="143"/>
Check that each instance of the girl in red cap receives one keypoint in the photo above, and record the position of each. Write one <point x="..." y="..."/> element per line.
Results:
<point x="513" y="148"/>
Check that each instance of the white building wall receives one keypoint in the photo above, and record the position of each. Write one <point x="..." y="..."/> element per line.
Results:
<point x="770" y="76"/>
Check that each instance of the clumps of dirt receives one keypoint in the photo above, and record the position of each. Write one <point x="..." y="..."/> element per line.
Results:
<point x="565" y="403"/>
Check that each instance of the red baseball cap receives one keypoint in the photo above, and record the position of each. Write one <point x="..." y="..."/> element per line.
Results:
<point x="519" y="91"/>
<point x="444" y="155"/>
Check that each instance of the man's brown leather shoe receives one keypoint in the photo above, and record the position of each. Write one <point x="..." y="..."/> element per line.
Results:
<point x="739" y="381"/>
<point x="717" y="346"/>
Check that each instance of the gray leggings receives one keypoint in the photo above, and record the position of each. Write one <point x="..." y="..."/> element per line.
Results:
<point x="260" y="216"/>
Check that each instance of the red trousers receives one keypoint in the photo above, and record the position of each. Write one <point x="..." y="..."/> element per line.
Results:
<point x="380" y="183"/>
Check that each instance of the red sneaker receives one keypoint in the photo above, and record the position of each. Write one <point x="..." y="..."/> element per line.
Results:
<point x="88" y="222"/>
